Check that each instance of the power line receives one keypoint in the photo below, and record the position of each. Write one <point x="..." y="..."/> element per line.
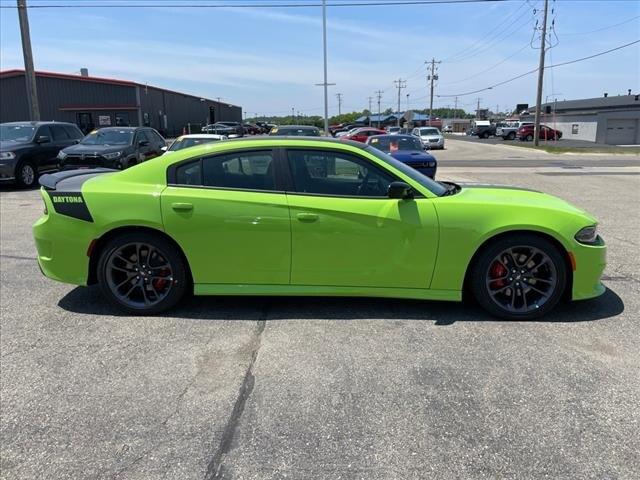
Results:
<point x="603" y="28"/>
<point x="535" y="70"/>
<point x="178" y="4"/>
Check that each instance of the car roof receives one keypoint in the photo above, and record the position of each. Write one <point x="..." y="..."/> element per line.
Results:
<point x="397" y="135"/>
<point x="128" y="129"/>
<point x="38" y="123"/>
<point x="201" y="135"/>
<point x="307" y="127"/>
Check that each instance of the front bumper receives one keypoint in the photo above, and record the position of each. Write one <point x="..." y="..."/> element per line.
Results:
<point x="590" y="262"/>
<point x="7" y="172"/>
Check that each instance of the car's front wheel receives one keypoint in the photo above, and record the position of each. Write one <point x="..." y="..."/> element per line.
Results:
<point x="26" y="174"/>
<point x="142" y="273"/>
<point x="511" y="135"/>
<point x="519" y="277"/>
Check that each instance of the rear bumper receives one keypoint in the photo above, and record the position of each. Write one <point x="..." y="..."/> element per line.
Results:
<point x="62" y="244"/>
<point x="590" y="261"/>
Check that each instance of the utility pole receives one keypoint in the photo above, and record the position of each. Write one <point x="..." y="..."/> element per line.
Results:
<point x="455" y="108"/>
<point x="400" y="84"/>
<point x="29" y="70"/>
<point x="325" y="84"/>
<point x="433" y="76"/>
<point x="339" y="95"/>
<point x="478" y="109"/>
<point x="379" y="95"/>
<point x="543" y="40"/>
<point x="293" y="116"/>
<point x="370" y="99"/>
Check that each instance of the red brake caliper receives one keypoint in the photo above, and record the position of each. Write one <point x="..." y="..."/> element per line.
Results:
<point x="159" y="283"/>
<point x="497" y="271"/>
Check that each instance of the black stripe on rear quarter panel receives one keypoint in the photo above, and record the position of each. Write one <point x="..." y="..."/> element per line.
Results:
<point x="70" y="204"/>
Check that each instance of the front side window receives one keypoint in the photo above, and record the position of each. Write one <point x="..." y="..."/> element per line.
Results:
<point x="58" y="132"/>
<point x="326" y="172"/>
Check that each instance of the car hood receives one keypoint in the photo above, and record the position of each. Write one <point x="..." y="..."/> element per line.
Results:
<point x="94" y="149"/>
<point x="431" y="137"/>
<point x="9" y="146"/>
<point x="412" y="156"/>
<point x="517" y="196"/>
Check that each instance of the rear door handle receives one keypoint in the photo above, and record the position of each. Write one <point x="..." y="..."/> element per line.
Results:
<point x="182" y="207"/>
<point x="307" y="217"/>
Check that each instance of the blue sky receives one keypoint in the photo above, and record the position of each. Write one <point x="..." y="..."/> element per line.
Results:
<point x="268" y="60"/>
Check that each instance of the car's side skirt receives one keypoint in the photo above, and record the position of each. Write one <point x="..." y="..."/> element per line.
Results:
<point x="326" y="291"/>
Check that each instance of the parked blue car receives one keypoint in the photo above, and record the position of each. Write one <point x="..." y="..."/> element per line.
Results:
<point x="407" y="149"/>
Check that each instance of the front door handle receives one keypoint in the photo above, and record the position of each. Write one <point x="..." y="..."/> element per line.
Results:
<point x="307" y="217"/>
<point x="182" y="207"/>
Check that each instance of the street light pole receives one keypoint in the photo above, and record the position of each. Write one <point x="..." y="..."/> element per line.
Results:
<point x="326" y="84"/>
<point x="543" y="40"/>
<point x="29" y="70"/>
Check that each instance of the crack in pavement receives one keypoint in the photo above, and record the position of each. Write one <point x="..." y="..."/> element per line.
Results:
<point x="215" y="470"/>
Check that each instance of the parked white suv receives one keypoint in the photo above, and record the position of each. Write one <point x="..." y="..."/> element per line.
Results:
<point x="509" y="130"/>
<point x="430" y="136"/>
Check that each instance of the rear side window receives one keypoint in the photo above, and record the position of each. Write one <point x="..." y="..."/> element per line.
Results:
<point x="247" y="170"/>
<point x="241" y="171"/>
<point x="189" y="173"/>
<point x="58" y="132"/>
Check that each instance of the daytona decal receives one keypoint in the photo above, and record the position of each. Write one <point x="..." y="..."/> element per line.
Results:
<point x="70" y="204"/>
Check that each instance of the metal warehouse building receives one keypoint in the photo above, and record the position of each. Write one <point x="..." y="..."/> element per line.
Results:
<point x="614" y="120"/>
<point x="93" y="102"/>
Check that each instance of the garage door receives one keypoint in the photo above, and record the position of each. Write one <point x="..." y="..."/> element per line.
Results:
<point x="621" y="132"/>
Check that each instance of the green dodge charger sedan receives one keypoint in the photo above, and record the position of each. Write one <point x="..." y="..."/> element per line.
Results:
<point x="311" y="216"/>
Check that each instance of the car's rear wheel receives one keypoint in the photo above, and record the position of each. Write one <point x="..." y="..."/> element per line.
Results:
<point x="529" y="138"/>
<point x="511" y="135"/>
<point x="485" y="135"/>
<point x="142" y="273"/>
<point x="26" y="174"/>
<point x="519" y="277"/>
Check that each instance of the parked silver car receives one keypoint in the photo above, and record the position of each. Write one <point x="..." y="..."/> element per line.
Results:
<point x="430" y="136"/>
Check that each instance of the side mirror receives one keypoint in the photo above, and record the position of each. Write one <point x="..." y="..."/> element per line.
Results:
<point x="400" y="190"/>
<point x="143" y="143"/>
<point x="43" y="139"/>
<point x="164" y="149"/>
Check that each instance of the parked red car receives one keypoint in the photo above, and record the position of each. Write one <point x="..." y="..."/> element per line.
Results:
<point x="362" y="134"/>
<point x="546" y="133"/>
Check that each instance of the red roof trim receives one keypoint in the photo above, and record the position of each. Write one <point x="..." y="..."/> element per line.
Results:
<point x="97" y="107"/>
<point x="18" y="72"/>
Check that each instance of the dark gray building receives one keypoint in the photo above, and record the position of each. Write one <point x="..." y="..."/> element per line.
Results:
<point x="93" y="102"/>
<point x="611" y="119"/>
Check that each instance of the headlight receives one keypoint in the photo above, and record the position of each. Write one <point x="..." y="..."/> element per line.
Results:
<point x="61" y="155"/>
<point x="111" y="156"/>
<point x="7" y="155"/>
<point x="432" y="164"/>
<point x="588" y="235"/>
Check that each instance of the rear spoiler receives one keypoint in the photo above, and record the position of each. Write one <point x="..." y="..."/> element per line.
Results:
<point x="50" y="180"/>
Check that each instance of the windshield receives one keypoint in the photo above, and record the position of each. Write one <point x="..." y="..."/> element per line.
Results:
<point x="108" y="137"/>
<point x="394" y="143"/>
<point x="190" y="142"/>
<point x="16" y="133"/>
<point x="433" y="186"/>
<point x="429" y="131"/>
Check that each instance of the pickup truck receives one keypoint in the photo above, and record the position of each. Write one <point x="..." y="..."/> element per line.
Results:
<point x="509" y="130"/>
<point x="483" y="129"/>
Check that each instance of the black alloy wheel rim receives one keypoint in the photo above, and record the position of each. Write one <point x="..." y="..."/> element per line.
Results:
<point x="139" y="275"/>
<point x="521" y="279"/>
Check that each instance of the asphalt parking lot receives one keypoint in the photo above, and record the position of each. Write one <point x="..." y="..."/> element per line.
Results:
<point x="308" y="388"/>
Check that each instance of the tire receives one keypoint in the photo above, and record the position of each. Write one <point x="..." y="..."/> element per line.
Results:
<point x="529" y="138"/>
<point x="511" y="136"/>
<point x="485" y="135"/>
<point x="26" y="174"/>
<point x="513" y="295"/>
<point x="149" y="294"/>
